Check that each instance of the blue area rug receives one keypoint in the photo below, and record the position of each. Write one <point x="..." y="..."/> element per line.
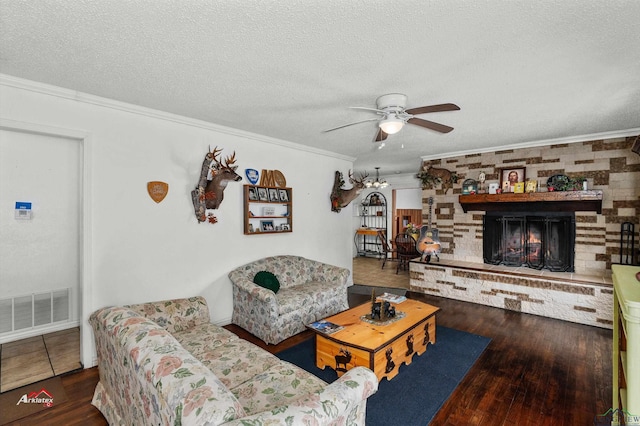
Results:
<point x="416" y="394"/>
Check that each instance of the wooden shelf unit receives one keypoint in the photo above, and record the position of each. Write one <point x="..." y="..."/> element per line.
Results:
<point x="547" y="201"/>
<point x="254" y="211"/>
<point x="626" y="339"/>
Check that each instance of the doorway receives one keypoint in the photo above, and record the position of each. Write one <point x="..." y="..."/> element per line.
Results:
<point x="42" y="279"/>
<point x="406" y="208"/>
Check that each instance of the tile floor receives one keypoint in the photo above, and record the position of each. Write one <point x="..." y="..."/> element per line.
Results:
<point x="37" y="358"/>
<point x="368" y="271"/>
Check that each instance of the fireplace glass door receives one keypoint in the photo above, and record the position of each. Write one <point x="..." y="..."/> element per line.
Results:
<point x="535" y="240"/>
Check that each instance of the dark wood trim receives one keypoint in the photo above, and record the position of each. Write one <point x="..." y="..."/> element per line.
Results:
<point x="555" y="201"/>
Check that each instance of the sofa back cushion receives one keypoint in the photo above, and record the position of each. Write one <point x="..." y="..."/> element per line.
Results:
<point x="175" y="315"/>
<point x="290" y="270"/>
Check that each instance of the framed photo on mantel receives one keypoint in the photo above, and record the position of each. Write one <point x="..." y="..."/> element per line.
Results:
<point x="510" y="177"/>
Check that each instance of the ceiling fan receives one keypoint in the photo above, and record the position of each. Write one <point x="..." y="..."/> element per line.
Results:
<point x="393" y="116"/>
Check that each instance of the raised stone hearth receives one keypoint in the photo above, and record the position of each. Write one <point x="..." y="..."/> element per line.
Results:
<point x="562" y="295"/>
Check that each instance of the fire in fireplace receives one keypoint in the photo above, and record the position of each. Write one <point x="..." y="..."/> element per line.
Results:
<point x="538" y="240"/>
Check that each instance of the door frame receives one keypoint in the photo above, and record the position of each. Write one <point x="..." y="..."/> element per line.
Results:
<point x="85" y="261"/>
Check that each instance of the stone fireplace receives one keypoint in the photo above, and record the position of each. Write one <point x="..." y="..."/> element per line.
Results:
<point x="537" y="240"/>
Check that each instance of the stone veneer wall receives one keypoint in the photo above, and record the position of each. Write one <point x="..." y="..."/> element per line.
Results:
<point x="609" y="165"/>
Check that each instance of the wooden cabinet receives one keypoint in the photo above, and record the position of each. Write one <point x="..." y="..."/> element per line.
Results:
<point x="626" y="339"/>
<point x="267" y="210"/>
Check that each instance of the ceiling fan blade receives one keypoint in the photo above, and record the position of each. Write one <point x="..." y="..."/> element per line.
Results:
<point x="350" y="124"/>
<point x="430" y="125"/>
<point x="380" y="136"/>
<point x="433" y="108"/>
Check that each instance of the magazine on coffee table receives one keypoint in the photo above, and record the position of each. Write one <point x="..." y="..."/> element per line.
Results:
<point x="325" y="327"/>
<point x="392" y="298"/>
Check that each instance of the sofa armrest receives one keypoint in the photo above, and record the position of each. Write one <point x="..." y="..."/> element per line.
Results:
<point x="337" y="403"/>
<point x="246" y="291"/>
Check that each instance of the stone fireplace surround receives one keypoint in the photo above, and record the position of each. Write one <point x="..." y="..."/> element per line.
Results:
<point x="584" y="296"/>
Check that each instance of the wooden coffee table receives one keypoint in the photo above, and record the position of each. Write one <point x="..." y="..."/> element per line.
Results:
<point x="382" y="348"/>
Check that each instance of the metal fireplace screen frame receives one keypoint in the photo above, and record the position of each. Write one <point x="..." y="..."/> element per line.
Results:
<point x="535" y="240"/>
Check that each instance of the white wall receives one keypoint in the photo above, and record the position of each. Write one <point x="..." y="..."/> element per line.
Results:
<point x="409" y="198"/>
<point x="138" y="250"/>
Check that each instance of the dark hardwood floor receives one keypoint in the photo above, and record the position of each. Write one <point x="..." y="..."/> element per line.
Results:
<point x="535" y="371"/>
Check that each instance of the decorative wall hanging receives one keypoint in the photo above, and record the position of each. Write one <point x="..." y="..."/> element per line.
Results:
<point x="157" y="190"/>
<point x="272" y="178"/>
<point x="431" y="176"/>
<point x="214" y="177"/>
<point x="340" y="197"/>
<point x="252" y="176"/>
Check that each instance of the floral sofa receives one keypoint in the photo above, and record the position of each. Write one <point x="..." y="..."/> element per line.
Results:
<point x="309" y="291"/>
<point x="164" y="363"/>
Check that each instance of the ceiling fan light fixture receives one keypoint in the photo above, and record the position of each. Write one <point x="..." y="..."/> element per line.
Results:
<point x="391" y="125"/>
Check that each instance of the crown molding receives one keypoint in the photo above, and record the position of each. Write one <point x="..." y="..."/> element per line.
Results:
<point x="536" y="144"/>
<point x="50" y="90"/>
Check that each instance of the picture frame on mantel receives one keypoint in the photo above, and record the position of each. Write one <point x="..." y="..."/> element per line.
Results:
<point x="509" y="177"/>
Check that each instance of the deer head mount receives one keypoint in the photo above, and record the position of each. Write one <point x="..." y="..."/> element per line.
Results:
<point x="215" y="174"/>
<point x="340" y="197"/>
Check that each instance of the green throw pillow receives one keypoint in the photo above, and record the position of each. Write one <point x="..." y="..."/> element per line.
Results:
<point x="267" y="280"/>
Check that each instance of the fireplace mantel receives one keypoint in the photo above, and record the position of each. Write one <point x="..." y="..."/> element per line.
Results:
<point x="554" y="201"/>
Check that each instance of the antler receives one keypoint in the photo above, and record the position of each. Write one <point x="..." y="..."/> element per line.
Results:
<point x="230" y="161"/>
<point x="214" y="155"/>
<point x="227" y="163"/>
<point x="363" y="176"/>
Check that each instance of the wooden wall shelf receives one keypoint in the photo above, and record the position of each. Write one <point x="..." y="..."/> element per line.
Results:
<point x="554" y="201"/>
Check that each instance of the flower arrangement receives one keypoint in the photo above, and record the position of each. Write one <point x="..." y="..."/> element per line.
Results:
<point x="413" y="228"/>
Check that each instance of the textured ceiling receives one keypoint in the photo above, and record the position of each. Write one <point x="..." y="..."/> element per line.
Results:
<point x="521" y="71"/>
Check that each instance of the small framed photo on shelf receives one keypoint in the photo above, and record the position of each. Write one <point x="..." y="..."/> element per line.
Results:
<point x="268" y="211"/>
<point x="284" y="196"/>
<point x="531" y="186"/>
<point x="262" y="194"/>
<point x="518" y="188"/>
<point x="509" y="178"/>
<point x="267" y="225"/>
<point x="273" y="194"/>
<point x="286" y="227"/>
<point x="253" y="193"/>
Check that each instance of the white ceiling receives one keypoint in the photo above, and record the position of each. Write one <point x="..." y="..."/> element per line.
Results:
<point x="521" y="71"/>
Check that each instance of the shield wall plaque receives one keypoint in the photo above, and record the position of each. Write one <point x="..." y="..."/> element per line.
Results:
<point x="252" y="175"/>
<point x="157" y="190"/>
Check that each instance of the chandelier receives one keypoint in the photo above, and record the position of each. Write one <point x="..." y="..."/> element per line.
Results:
<point x="378" y="184"/>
